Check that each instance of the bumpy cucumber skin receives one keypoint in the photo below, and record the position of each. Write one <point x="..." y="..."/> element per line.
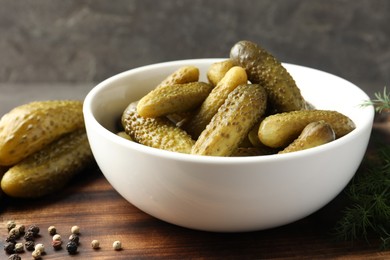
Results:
<point x="49" y="169"/>
<point x="28" y="128"/>
<point x="314" y="134"/>
<point x="182" y="75"/>
<point x="176" y="98"/>
<point x="234" y="77"/>
<point x="158" y="132"/>
<point x="281" y="129"/>
<point x="243" y="107"/>
<point x="264" y="69"/>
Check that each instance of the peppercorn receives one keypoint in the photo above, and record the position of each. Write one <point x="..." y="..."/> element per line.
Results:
<point x="9" y="247"/>
<point x="14" y="231"/>
<point x="14" y="257"/>
<point x="29" y="236"/>
<point x="57" y="237"/>
<point x="52" y="230"/>
<point x="75" y="230"/>
<point x="36" y="254"/>
<point x="95" y="244"/>
<point x="34" y="229"/>
<point x="11" y="238"/>
<point x="18" y="248"/>
<point x="29" y="245"/>
<point x="117" y="245"/>
<point x="40" y="247"/>
<point x="21" y="228"/>
<point x="57" y="244"/>
<point x="71" y="247"/>
<point x="75" y="238"/>
<point x="10" y="224"/>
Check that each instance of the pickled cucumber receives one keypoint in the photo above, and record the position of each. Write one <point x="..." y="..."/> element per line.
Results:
<point x="218" y="70"/>
<point x="157" y="132"/>
<point x="262" y="68"/>
<point x="176" y="98"/>
<point x="281" y="129"/>
<point x="28" y="128"/>
<point x="233" y="77"/>
<point x="49" y="169"/>
<point x="230" y="125"/>
<point x="182" y="75"/>
<point x="314" y="134"/>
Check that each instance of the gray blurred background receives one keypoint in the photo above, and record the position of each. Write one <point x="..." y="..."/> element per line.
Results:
<point x="82" y="42"/>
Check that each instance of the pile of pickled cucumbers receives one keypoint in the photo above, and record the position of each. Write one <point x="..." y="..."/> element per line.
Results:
<point x="43" y="144"/>
<point x="250" y="106"/>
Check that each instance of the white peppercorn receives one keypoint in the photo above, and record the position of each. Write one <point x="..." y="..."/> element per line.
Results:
<point x="18" y="248"/>
<point x="95" y="244"/>
<point x="57" y="237"/>
<point x="40" y="247"/>
<point x="52" y="230"/>
<point x="36" y="254"/>
<point x="75" y="230"/>
<point x="10" y="224"/>
<point x="117" y="245"/>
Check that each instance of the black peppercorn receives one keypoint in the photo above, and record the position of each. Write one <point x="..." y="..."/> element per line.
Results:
<point x="71" y="247"/>
<point x="11" y="238"/>
<point x="29" y="245"/>
<point x="34" y="229"/>
<point x="14" y="257"/>
<point x="29" y="236"/>
<point x="75" y="238"/>
<point x="9" y="247"/>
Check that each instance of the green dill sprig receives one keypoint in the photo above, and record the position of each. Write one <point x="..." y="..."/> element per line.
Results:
<point x="381" y="102"/>
<point x="368" y="213"/>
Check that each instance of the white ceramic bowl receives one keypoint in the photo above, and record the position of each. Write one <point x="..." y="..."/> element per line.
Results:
<point x="220" y="193"/>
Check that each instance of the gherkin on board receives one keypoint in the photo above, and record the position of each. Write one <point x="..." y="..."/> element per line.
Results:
<point x="49" y="169"/>
<point x="28" y="128"/>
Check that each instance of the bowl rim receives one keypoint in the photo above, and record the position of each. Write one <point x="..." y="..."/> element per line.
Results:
<point x="89" y="116"/>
